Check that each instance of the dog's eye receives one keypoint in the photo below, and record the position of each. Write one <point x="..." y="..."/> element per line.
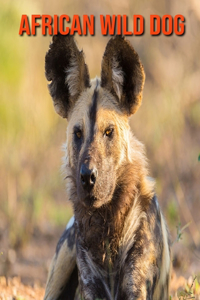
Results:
<point x="109" y="132"/>
<point x="79" y="134"/>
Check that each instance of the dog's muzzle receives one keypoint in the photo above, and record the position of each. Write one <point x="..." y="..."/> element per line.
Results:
<point x="88" y="177"/>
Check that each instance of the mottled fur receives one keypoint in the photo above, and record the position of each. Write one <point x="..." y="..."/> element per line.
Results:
<point x="119" y="239"/>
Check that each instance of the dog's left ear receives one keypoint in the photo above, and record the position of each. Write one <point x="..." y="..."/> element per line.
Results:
<point x="123" y="74"/>
<point x="67" y="72"/>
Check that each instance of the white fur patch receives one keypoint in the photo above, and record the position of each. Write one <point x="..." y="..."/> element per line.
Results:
<point x="72" y="78"/>
<point x="166" y="254"/>
<point x="118" y="78"/>
<point x="166" y="264"/>
<point x="70" y="223"/>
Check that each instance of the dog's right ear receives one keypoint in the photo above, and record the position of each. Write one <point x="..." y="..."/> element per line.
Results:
<point x="66" y="69"/>
<point x="123" y="74"/>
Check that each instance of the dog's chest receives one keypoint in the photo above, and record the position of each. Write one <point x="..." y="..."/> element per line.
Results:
<point x="102" y="245"/>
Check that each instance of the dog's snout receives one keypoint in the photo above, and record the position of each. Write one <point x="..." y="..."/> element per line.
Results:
<point x="88" y="177"/>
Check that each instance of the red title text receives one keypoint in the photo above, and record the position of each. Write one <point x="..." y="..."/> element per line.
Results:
<point x="110" y="25"/>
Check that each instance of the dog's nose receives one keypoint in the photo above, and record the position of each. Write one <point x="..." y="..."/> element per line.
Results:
<point x="88" y="177"/>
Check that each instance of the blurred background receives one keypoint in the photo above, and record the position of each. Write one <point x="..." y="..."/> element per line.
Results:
<point x="33" y="205"/>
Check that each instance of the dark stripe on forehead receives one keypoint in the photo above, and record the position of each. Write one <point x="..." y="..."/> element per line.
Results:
<point x="93" y="107"/>
<point x="91" y="122"/>
<point x="93" y="111"/>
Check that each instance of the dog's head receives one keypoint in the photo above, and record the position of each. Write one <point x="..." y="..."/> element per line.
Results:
<point x="97" y="112"/>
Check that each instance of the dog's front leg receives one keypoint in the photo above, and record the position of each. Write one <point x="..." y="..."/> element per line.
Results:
<point x="92" y="282"/>
<point x="62" y="279"/>
<point x="145" y="272"/>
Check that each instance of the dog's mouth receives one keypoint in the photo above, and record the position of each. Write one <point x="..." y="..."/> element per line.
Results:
<point x="89" y="200"/>
<point x="92" y="201"/>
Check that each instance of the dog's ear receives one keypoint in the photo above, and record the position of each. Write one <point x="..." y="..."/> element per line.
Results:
<point x="122" y="74"/>
<point x="66" y="69"/>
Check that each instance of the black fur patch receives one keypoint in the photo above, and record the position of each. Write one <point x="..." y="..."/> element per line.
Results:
<point x="68" y="292"/>
<point x="69" y="236"/>
<point x="93" y="112"/>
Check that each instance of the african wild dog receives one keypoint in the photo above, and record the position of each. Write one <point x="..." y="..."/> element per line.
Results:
<point x="117" y="247"/>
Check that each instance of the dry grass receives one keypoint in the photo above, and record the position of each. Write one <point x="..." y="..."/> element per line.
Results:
<point x="13" y="289"/>
<point x="181" y="289"/>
